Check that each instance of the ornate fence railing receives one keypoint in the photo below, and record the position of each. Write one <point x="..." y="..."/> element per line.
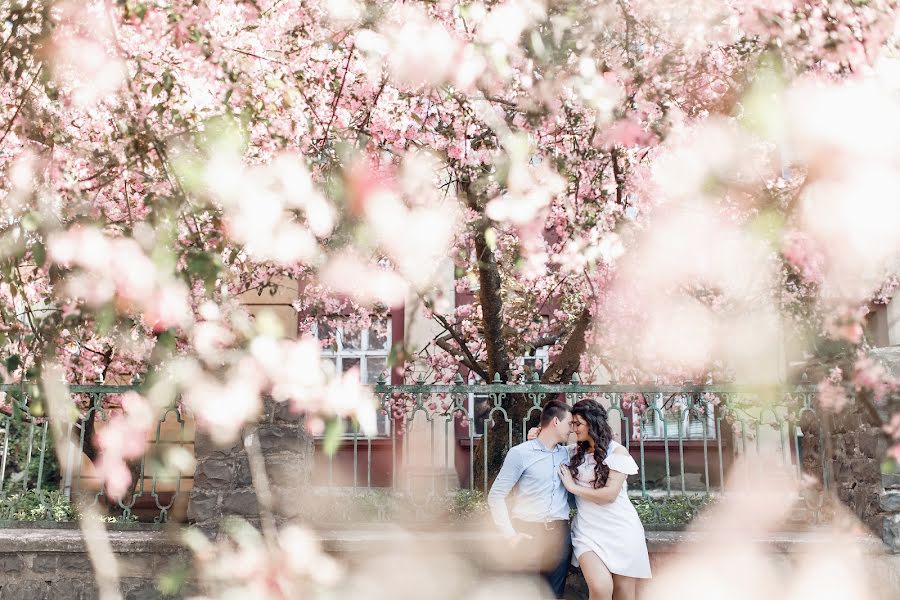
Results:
<point x="431" y="446"/>
<point x="686" y="439"/>
<point x="38" y="484"/>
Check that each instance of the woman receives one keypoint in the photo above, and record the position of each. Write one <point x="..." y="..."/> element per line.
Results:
<point x="607" y="535"/>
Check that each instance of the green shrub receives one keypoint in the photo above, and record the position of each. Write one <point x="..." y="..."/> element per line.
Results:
<point x="31" y="505"/>
<point x="674" y="510"/>
<point x="466" y="504"/>
<point x="20" y="467"/>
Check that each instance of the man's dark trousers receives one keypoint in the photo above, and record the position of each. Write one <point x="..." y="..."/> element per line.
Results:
<point x="555" y="543"/>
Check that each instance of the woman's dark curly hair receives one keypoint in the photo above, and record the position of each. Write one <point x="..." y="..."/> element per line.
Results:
<point x="592" y="413"/>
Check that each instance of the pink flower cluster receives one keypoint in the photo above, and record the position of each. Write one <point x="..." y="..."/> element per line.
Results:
<point x="800" y="251"/>
<point x="871" y="377"/>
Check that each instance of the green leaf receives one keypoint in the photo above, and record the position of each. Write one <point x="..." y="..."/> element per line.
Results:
<point x="224" y="134"/>
<point x="31" y="221"/>
<point x="106" y="318"/>
<point x="13" y="362"/>
<point x="188" y="170"/>
<point x="173" y="581"/>
<point x="204" y="265"/>
<point x="763" y="105"/>
<point x="39" y="253"/>
<point x="333" y="432"/>
<point x="166" y="340"/>
<point x="392" y="356"/>
<point x="767" y="225"/>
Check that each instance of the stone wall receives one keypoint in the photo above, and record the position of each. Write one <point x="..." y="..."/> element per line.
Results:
<point x="853" y="447"/>
<point x="890" y="504"/>
<point x="223" y="483"/>
<point x="52" y="564"/>
<point x="857" y="449"/>
<point x="889" y="493"/>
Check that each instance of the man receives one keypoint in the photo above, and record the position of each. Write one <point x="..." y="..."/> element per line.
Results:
<point x="540" y="511"/>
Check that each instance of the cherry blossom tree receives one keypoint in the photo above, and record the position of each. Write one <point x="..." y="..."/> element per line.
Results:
<point x="609" y="179"/>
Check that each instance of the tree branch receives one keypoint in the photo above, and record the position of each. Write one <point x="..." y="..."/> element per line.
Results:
<point x="618" y="176"/>
<point x="443" y="345"/>
<point x="337" y="97"/>
<point x="568" y="361"/>
<point x="547" y="340"/>
<point x="473" y="363"/>
<point x="12" y="120"/>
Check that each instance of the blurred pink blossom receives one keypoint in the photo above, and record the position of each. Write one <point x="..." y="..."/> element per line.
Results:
<point x="122" y="439"/>
<point x="799" y="250"/>
<point x="84" y="59"/>
<point x="872" y="377"/>
<point x="119" y="269"/>
<point x="831" y="395"/>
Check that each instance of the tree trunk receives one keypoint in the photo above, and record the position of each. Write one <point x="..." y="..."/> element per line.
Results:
<point x="488" y="293"/>
<point x="496" y="441"/>
<point x="568" y="361"/>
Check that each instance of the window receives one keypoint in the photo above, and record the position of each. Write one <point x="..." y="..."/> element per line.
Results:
<point x="697" y="419"/>
<point x="480" y="404"/>
<point x="877" y="325"/>
<point x="364" y="350"/>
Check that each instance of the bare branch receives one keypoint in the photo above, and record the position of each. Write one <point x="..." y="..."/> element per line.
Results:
<point x="547" y="340"/>
<point x="568" y="361"/>
<point x="12" y="119"/>
<point x="473" y="363"/>
<point x="443" y="345"/>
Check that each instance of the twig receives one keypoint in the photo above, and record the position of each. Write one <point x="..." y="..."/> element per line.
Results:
<point x="462" y="346"/>
<point x="251" y="54"/>
<point x="441" y="342"/>
<point x="337" y="96"/>
<point x="12" y="120"/>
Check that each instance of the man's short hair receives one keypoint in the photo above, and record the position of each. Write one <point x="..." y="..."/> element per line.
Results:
<point x="552" y="410"/>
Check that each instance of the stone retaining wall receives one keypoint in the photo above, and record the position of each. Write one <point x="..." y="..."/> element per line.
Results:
<point x="889" y="490"/>
<point x="857" y="449"/>
<point x="52" y="564"/>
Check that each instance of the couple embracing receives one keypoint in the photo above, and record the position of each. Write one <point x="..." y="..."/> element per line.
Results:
<point x="606" y="537"/>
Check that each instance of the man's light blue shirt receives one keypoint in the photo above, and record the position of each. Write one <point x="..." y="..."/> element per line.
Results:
<point x="540" y="495"/>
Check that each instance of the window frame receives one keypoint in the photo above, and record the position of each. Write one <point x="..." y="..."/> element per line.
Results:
<point x="338" y="354"/>
<point x="542" y="354"/>
<point x="662" y="430"/>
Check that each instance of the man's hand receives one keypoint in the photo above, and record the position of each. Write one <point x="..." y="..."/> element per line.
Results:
<point x="566" y="476"/>
<point x="520" y="538"/>
<point x="533" y="433"/>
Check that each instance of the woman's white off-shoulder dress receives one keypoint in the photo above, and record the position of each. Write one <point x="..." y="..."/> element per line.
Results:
<point x="612" y="531"/>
